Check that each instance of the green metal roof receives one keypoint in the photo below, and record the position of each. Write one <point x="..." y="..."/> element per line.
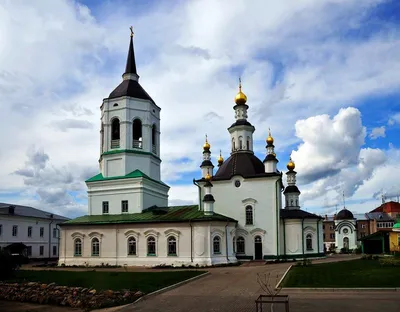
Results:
<point x="152" y="215"/>
<point x="397" y="225"/>
<point x="134" y="174"/>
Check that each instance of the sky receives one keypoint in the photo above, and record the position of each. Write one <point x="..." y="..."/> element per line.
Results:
<point x="324" y="75"/>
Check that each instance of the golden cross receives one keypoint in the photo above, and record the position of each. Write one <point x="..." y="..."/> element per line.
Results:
<point x="240" y="84"/>
<point x="131" y="28"/>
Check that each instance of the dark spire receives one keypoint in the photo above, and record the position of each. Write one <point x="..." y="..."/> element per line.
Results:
<point x="130" y="62"/>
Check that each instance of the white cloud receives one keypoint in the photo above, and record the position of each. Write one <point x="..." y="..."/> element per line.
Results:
<point x="331" y="158"/>
<point x="56" y="72"/>
<point x="378" y="132"/>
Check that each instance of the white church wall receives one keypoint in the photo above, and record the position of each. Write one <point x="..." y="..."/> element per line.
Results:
<point x="258" y="193"/>
<point x="293" y="236"/>
<point x="114" y="244"/>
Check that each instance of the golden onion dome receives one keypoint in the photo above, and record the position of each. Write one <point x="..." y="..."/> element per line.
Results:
<point x="207" y="177"/>
<point x="220" y="159"/>
<point x="206" y="145"/>
<point x="290" y="164"/>
<point x="240" y="98"/>
<point x="270" y="139"/>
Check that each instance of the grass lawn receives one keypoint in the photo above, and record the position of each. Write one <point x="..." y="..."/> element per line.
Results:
<point x="356" y="273"/>
<point x="146" y="282"/>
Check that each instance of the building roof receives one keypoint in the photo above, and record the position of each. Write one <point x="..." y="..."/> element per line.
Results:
<point x="291" y="189"/>
<point x="26" y="211"/>
<point x="379" y="216"/>
<point x="388" y="207"/>
<point x="153" y="215"/>
<point x="134" y="174"/>
<point x="244" y="164"/>
<point x="344" y="214"/>
<point x="376" y="235"/>
<point x="297" y="214"/>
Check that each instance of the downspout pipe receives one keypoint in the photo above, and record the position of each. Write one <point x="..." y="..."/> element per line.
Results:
<point x="277" y="216"/>
<point x="191" y="240"/>
<point x="51" y="216"/>
<point x="302" y="235"/>
<point x="200" y="202"/>
<point x="284" y="237"/>
<point x="318" y="236"/>
<point x="226" y="242"/>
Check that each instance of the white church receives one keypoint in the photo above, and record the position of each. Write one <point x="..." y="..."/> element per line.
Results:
<point x="240" y="215"/>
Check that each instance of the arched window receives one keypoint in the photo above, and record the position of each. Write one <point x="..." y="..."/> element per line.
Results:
<point x="287" y="203"/>
<point x="248" y="143"/>
<point x="95" y="247"/>
<point x="77" y="247"/>
<point x="217" y="245"/>
<point x="115" y="133"/>
<point x="297" y="202"/>
<point x="240" y="245"/>
<point x="132" y="246"/>
<point x="309" y="242"/>
<point x="171" y="246"/>
<point x="137" y="133"/>
<point x="240" y="143"/>
<point x="234" y="244"/>
<point x="291" y="202"/>
<point x="153" y="139"/>
<point x="249" y="215"/>
<point x="151" y="246"/>
<point x="346" y="243"/>
<point x="233" y="144"/>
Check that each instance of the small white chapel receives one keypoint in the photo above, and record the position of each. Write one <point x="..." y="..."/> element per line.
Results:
<point x="245" y="209"/>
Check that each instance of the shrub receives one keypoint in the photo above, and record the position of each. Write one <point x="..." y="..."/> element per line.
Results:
<point x="389" y="261"/>
<point x="8" y="265"/>
<point x="304" y="262"/>
<point x="357" y="250"/>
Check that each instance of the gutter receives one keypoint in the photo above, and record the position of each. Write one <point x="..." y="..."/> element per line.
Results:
<point x="200" y="203"/>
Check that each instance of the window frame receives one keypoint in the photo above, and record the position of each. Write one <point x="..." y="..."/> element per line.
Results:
<point x="80" y="247"/>
<point x="41" y="231"/>
<point x="54" y="250"/>
<point x="132" y="239"/>
<point x="172" y="241"/>
<point x="105" y="204"/>
<point x="242" y="241"/>
<point x="29" y="231"/>
<point x="153" y="240"/>
<point x="95" y="243"/>
<point x="41" y="250"/>
<point x="249" y="210"/>
<point x="14" y="230"/>
<point x="309" y="240"/>
<point x="216" y="239"/>
<point x="124" y="206"/>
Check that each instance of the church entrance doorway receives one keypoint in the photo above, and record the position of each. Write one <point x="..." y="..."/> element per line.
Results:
<point x="258" y="250"/>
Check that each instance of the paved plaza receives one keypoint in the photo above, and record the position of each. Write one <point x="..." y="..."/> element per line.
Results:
<point x="233" y="289"/>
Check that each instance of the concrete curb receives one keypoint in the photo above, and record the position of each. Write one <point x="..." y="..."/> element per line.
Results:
<point x="283" y="277"/>
<point x="157" y="292"/>
<point x="366" y="289"/>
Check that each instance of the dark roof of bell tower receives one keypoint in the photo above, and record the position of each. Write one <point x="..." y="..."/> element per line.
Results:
<point x="130" y="86"/>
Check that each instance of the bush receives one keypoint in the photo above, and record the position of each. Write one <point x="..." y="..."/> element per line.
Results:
<point x="389" y="261"/>
<point x="8" y="265"/>
<point x="304" y="262"/>
<point x="357" y="250"/>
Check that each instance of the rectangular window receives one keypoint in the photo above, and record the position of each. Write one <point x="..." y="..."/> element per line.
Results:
<point x="29" y="251"/>
<point x="54" y="250"/>
<point x="29" y="231"/>
<point x="332" y="236"/>
<point x="332" y="227"/>
<point x="398" y="239"/>
<point x="15" y="230"/>
<point x="105" y="206"/>
<point x="41" y="231"/>
<point x="323" y="227"/>
<point x="1" y="229"/>
<point x="41" y="250"/>
<point x="124" y="206"/>
<point x="55" y="233"/>
<point x="362" y="234"/>
<point x="249" y="215"/>
<point x="363" y="226"/>
<point x="324" y="235"/>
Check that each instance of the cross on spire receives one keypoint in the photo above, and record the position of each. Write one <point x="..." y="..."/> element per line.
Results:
<point x="131" y="28"/>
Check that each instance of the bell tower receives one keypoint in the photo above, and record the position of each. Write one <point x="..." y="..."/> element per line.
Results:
<point x="129" y="179"/>
<point x="130" y="127"/>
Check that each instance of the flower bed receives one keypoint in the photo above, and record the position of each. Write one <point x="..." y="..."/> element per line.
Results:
<point x="76" y="297"/>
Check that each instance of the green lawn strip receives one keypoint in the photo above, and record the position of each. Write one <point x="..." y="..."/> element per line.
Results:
<point x="355" y="273"/>
<point x="146" y="282"/>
